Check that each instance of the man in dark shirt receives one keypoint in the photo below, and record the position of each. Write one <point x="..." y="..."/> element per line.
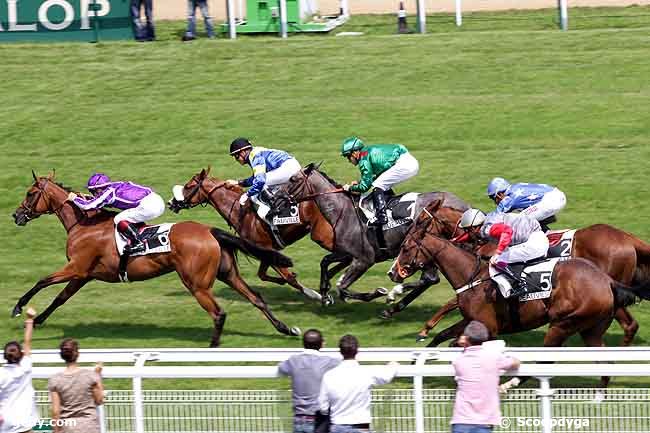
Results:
<point x="306" y="371"/>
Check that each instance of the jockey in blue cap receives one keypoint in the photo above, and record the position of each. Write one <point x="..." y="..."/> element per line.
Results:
<point x="270" y="167"/>
<point x="138" y="204"/>
<point x="537" y="200"/>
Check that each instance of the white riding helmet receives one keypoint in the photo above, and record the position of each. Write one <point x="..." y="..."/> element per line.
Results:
<point x="471" y="218"/>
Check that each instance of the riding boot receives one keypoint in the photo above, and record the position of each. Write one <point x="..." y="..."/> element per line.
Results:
<point x="519" y="285"/>
<point x="379" y="201"/>
<point x="545" y="223"/>
<point x="268" y="198"/>
<point x="135" y="243"/>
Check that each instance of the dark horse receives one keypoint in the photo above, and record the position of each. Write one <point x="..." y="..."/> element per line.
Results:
<point x="354" y="245"/>
<point x="620" y="255"/>
<point x="199" y="255"/>
<point x="202" y="188"/>
<point x="583" y="299"/>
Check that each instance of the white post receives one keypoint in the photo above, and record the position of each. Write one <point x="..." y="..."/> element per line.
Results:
<point x="101" y="414"/>
<point x="239" y="16"/>
<point x="345" y="9"/>
<point x="138" y="410"/>
<point x="283" y="19"/>
<point x="232" y="32"/>
<point x="545" y="392"/>
<point x="422" y="17"/>
<point x="459" y="13"/>
<point x="564" y="14"/>
<point x="420" y="360"/>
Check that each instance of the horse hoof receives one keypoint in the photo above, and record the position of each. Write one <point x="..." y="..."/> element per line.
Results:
<point x="381" y="291"/>
<point x="420" y="338"/>
<point x="17" y="311"/>
<point x="312" y="295"/>
<point x="386" y="315"/>
<point x="295" y="331"/>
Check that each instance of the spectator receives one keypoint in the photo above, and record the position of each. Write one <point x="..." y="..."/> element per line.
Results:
<point x="143" y="33"/>
<point x="75" y="393"/>
<point x="476" y="409"/>
<point x="17" y="403"/>
<point x="306" y="371"/>
<point x="190" y="34"/>
<point x="345" y="391"/>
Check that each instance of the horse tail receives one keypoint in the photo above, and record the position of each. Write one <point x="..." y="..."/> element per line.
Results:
<point x="236" y="243"/>
<point x="626" y="295"/>
<point x="642" y="272"/>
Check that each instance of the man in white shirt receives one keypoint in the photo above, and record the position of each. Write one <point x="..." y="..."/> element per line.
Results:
<point x="345" y="390"/>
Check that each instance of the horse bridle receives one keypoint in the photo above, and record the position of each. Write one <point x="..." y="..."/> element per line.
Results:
<point x="29" y="209"/>
<point x="312" y="195"/>
<point x="199" y="186"/>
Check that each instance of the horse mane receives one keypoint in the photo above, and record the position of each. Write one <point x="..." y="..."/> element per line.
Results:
<point x="328" y="178"/>
<point x="61" y="185"/>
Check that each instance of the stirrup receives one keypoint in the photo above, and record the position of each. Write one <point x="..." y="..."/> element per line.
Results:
<point x="518" y="291"/>
<point x="140" y="247"/>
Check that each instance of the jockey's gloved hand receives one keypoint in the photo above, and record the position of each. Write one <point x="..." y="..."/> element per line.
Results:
<point x="346" y="187"/>
<point x="72" y="196"/>
<point x="243" y="199"/>
<point x="232" y="182"/>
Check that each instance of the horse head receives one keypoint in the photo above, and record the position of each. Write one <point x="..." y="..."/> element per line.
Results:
<point x="44" y="197"/>
<point x="192" y="194"/>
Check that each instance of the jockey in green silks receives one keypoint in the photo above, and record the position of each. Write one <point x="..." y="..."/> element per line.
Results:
<point x="381" y="167"/>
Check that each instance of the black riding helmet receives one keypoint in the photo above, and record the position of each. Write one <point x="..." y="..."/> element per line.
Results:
<point x="239" y="144"/>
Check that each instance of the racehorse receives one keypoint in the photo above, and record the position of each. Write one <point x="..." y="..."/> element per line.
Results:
<point x="583" y="298"/>
<point x="199" y="254"/>
<point x="202" y="188"/>
<point x="620" y="255"/>
<point x="352" y="244"/>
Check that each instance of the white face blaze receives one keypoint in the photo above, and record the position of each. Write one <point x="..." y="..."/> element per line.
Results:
<point x="177" y="190"/>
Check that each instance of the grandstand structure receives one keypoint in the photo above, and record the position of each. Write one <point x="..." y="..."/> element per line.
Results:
<point x="416" y="409"/>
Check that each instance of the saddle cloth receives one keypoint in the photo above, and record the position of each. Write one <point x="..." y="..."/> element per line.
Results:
<point x="156" y="239"/>
<point x="538" y="274"/>
<point x="400" y="209"/>
<point x="560" y="243"/>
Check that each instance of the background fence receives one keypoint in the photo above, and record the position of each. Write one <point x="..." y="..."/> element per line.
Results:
<point x="395" y="410"/>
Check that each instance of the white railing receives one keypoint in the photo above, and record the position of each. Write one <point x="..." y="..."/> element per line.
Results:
<point x="577" y="362"/>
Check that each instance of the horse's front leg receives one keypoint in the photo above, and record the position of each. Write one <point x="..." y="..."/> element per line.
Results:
<point x="264" y="276"/>
<point x="325" y="285"/>
<point x="427" y="279"/>
<point x="66" y="274"/>
<point x="454" y="331"/>
<point x="292" y="279"/>
<point x="356" y="269"/>
<point x="70" y="289"/>
<point x="451" y="305"/>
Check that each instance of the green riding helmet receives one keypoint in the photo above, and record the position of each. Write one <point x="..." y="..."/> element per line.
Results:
<point x="351" y="144"/>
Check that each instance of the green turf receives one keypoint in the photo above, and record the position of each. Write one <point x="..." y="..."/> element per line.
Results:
<point x="535" y="104"/>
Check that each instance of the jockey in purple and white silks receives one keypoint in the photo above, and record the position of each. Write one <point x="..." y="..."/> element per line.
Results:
<point x="537" y="200"/>
<point x="138" y="204"/>
<point x="270" y="167"/>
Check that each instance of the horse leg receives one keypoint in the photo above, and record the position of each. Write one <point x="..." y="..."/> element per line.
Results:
<point x="262" y="275"/>
<point x="207" y="300"/>
<point x="415" y="290"/>
<point x="325" y="285"/>
<point x="68" y="291"/>
<point x="593" y="337"/>
<point x="331" y="273"/>
<point x="451" y="305"/>
<point x="290" y="277"/>
<point x="234" y="280"/>
<point x="629" y="325"/>
<point x="354" y="272"/>
<point x="66" y="274"/>
<point x="454" y="331"/>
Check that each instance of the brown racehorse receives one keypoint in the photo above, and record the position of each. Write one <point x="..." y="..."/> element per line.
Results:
<point x="199" y="255"/>
<point x="583" y="299"/>
<point x="202" y="188"/>
<point x="622" y="256"/>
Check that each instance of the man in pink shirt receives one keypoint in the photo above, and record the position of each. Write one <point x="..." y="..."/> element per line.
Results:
<point x="476" y="409"/>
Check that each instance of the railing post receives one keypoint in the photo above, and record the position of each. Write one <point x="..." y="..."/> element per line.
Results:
<point x="545" y="393"/>
<point x="283" y="19"/>
<point x="232" y="26"/>
<point x="138" y="406"/>
<point x="418" y="389"/>
<point x="459" y="13"/>
<point x="422" y="17"/>
<point x="101" y="414"/>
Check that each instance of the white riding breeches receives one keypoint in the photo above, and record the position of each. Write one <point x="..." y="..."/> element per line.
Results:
<point x="405" y="168"/>
<point x="536" y="246"/>
<point x="283" y="173"/>
<point x="152" y="206"/>
<point x="552" y="202"/>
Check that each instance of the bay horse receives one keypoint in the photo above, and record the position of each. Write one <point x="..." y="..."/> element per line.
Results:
<point x="224" y="198"/>
<point x="352" y="245"/>
<point x="619" y="254"/>
<point x="583" y="297"/>
<point x="199" y="254"/>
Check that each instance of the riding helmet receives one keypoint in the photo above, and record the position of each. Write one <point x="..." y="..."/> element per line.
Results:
<point x="471" y="218"/>
<point x="239" y="144"/>
<point x="497" y="185"/>
<point x="98" y="180"/>
<point x="351" y="144"/>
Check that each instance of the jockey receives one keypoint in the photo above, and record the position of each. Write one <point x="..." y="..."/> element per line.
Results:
<point x="138" y="204"/>
<point x="270" y="167"/>
<point x="520" y="239"/>
<point x="381" y="166"/>
<point x="537" y="200"/>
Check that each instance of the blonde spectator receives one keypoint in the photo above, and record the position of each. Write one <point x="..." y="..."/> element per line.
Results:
<point x="17" y="404"/>
<point x="75" y="394"/>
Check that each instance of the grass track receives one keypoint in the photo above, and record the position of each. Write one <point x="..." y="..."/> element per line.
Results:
<point x="570" y="109"/>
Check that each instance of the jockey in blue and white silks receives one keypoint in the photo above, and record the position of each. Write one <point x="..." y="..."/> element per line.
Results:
<point x="537" y="200"/>
<point x="270" y="167"/>
<point x="138" y="204"/>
